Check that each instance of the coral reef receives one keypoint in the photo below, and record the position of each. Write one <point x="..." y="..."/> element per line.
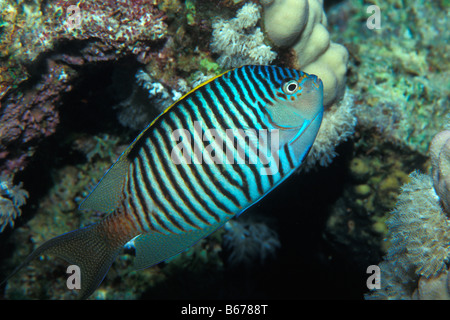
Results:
<point x="18" y="21"/>
<point x="114" y="28"/>
<point x="399" y="71"/>
<point x="239" y="41"/>
<point x="123" y="27"/>
<point x="107" y="31"/>
<point x="301" y="25"/>
<point x="419" y="232"/>
<point x="419" y="237"/>
<point x="12" y="197"/>
<point x="29" y="117"/>
<point x="396" y="99"/>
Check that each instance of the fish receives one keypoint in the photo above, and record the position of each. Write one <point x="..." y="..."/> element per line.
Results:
<point x="207" y="158"/>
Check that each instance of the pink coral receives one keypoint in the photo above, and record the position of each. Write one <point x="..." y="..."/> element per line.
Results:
<point x="440" y="161"/>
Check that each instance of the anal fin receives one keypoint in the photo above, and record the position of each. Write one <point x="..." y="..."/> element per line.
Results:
<point x="152" y="248"/>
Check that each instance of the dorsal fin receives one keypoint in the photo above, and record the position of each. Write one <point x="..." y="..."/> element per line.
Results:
<point x="107" y="194"/>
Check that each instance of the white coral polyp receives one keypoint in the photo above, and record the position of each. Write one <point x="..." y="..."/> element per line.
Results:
<point x="239" y="41"/>
<point x="248" y="16"/>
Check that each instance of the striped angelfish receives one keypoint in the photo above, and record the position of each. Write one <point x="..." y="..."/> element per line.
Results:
<point x="207" y="158"/>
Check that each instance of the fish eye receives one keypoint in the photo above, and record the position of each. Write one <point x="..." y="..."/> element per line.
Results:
<point x="290" y="87"/>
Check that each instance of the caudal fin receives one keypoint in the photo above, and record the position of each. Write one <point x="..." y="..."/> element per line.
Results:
<point x="90" y="248"/>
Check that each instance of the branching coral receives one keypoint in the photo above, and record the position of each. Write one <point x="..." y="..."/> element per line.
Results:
<point x="239" y="41"/>
<point x="12" y="197"/>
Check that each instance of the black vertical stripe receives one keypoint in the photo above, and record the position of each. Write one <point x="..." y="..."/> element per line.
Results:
<point x="198" y="175"/>
<point x="149" y="189"/>
<point x="283" y="76"/>
<point x="256" y="87"/>
<point x="208" y="171"/>
<point x="180" y="192"/>
<point x="236" y="167"/>
<point x="221" y="96"/>
<point x="246" y="84"/>
<point x="215" y="91"/>
<point x="221" y="167"/>
<point x="182" y="170"/>
<point x="238" y="106"/>
<point x="139" y="196"/>
<point x="157" y="180"/>
<point x="264" y="111"/>
<point x="289" y="74"/>
<point x="267" y="87"/>
<point x="253" y="107"/>
<point x="288" y="155"/>
<point x="172" y="182"/>
<point x="134" y="210"/>
<point x="278" y="74"/>
<point x="236" y="81"/>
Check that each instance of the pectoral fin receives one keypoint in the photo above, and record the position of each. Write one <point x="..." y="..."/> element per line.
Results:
<point x="302" y="142"/>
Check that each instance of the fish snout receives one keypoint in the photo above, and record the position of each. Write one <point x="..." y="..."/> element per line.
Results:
<point x="311" y="99"/>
